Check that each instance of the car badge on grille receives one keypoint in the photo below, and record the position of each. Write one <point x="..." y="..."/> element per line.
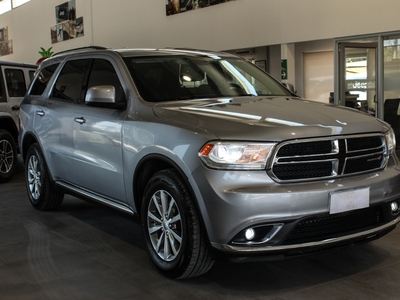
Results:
<point x="375" y="158"/>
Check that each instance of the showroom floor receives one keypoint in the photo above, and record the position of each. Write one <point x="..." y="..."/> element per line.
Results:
<point x="83" y="251"/>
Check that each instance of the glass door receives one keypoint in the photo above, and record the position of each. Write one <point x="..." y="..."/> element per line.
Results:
<point x="357" y="76"/>
<point x="391" y="94"/>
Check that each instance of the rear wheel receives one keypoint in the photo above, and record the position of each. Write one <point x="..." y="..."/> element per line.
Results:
<point x="40" y="192"/>
<point x="8" y="156"/>
<point x="175" y="239"/>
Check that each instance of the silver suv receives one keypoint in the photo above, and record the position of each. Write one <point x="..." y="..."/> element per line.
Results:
<point x="14" y="81"/>
<point x="215" y="158"/>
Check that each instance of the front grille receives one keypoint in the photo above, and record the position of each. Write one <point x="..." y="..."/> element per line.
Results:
<point x="330" y="157"/>
<point x="325" y="227"/>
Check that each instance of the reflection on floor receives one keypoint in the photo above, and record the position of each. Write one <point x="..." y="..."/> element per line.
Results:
<point x="83" y="251"/>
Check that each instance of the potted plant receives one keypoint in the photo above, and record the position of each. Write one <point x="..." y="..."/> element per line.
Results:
<point x="45" y="53"/>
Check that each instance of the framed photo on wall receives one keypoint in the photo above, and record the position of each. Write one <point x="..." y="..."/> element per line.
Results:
<point x="62" y="12"/>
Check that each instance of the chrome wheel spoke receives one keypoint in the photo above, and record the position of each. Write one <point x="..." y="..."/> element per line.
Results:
<point x="154" y="229"/>
<point x="159" y="242"/>
<point x="164" y="203"/>
<point x="156" y="204"/>
<point x="4" y="166"/>
<point x="176" y="236"/>
<point x="166" y="247"/>
<point x="154" y="218"/>
<point x="172" y="243"/>
<point x="38" y="188"/>
<point x="170" y="207"/>
<point x="176" y="219"/>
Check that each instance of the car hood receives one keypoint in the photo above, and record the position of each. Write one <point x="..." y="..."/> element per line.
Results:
<point x="267" y="118"/>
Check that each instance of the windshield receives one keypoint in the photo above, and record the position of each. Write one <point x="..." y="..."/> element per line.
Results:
<point x="167" y="78"/>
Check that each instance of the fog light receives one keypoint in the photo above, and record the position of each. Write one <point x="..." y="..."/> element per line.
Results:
<point x="394" y="206"/>
<point x="250" y="234"/>
<point x="259" y="234"/>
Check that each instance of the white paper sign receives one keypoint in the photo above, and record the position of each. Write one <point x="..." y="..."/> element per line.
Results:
<point x="349" y="200"/>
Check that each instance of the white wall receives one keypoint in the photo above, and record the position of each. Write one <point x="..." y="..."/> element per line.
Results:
<point x="231" y="25"/>
<point x="29" y="29"/>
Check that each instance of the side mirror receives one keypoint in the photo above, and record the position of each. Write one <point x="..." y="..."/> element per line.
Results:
<point x="103" y="96"/>
<point x="100" y="94"/>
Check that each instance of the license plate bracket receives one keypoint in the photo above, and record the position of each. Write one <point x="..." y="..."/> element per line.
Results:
<point x="347" y="200"/>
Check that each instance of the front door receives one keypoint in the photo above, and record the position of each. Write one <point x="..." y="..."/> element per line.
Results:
<point x="97" y="139"/>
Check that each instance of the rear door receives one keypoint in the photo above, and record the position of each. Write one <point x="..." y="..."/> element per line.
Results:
<point x="54" y="119"/>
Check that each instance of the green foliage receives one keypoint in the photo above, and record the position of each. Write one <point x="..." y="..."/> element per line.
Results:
<point x="46" y="53"/>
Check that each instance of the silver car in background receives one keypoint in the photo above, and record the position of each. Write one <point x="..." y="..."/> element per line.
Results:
<point x="216" y="158"/>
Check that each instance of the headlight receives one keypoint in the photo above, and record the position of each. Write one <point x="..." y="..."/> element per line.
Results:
<point x="235" y="155"/>
<point x="390" y="140"/>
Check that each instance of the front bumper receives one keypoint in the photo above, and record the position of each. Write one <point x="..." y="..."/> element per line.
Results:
<point x="363" y="236"/>
<point x="233" y="201"/>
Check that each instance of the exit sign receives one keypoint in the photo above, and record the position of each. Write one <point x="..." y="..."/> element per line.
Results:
<point x="284" y="69"/>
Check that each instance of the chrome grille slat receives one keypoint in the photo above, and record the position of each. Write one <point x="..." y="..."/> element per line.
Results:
<point x="311" y="159"/>
<point x="306" y="161"/>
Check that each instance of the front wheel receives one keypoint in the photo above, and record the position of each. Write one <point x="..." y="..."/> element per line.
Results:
<point x="8" y="156"/>
<point x="40" y="192"/>
<point x="174" y="236"/>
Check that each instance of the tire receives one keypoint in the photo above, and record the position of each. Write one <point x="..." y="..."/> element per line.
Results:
<point x="40" y="191"/>
<point x="8" y="156"/>
<point x="174" y="237"/>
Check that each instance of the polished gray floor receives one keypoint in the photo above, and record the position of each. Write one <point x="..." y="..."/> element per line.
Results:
<point x="83" y="251"/>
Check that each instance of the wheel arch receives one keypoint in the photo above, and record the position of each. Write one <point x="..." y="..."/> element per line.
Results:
<point x="27" y="141"/>
<point x="145" y="169"/>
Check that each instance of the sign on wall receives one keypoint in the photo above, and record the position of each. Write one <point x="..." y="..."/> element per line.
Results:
<point x="179" y="6"/>
<point x="284" y="71"/>
<point x="68" y="25"/>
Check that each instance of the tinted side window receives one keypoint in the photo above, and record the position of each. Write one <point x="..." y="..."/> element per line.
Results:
<point x="69" y="84"/>
<point x="103" y="73"/>
<point x="15" y="82"/>
<point x="31" y="75"/>
<point x="42" y="80"/>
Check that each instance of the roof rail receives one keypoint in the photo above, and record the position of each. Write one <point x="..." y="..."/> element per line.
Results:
<point x="81" y="48"/>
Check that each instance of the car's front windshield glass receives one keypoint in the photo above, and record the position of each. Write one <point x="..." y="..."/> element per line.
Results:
<point x="177" y="77"/>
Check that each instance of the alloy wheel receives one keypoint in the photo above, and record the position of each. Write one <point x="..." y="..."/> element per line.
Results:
<point x="164" y="225"/>
<point x="34" y="177"/>
<point x="6" y="156"/>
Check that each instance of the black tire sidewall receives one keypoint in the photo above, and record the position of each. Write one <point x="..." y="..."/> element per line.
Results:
<point x="173" y="268"/>
<point x="5" y="135"/>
